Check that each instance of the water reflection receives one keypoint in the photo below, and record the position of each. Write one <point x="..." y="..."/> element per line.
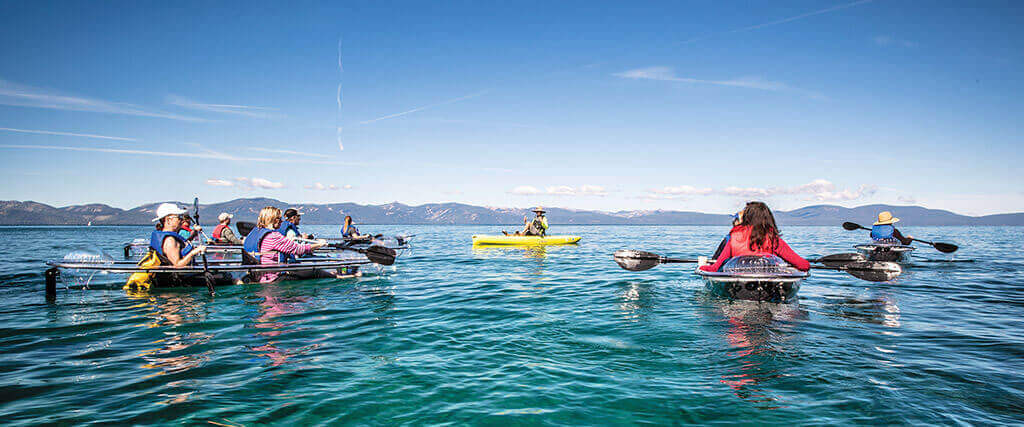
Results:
<point x="273" y="303"/>
<point x="636" y="299"/>
<point x="490" y="252"/>
<point x="880" y="309"/>
<point x="173" y="352"/>
<point x="757" y="334"/>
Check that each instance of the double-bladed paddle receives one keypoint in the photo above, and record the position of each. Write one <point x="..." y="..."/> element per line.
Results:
<point x="376" y="254"/>
<point x="853" y="263"/>
<point x="947" y="248"/>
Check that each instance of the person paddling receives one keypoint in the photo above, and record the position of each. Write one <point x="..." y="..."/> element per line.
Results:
<point x="350" y="232"/>
<point x="166" y="241"/>
<point x="537" y="227"/>
<point x="736" y="218"/>
<point x="222" y="234"/>
<point x="757" y="235"/>
<point x="270" y="245"/>
<point x="290" y="225"/>
<point x="883" y="231"/>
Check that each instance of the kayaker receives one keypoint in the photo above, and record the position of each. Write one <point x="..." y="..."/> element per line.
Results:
<point x="721" y="246"/>
<point x="166" y="241"/>
<point x="222" y="234"/>
<point x="883" y="231"/>
<point x="290" y="225"/>
<point x="349" y="231"/>
<point x="537" y="227"/>
<point x="188" y="231"/>
<point x="270" y="244"/>
<point x="757" y="234"/>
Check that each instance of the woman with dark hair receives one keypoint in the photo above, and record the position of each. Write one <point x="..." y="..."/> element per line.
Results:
<point x="758" y="235"/>
<point x="166" y="241"/>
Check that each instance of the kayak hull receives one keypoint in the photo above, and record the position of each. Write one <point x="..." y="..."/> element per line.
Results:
<point x="884" y="252"/>
<point x="755" y="278"/>
<point x="525" y="240"/>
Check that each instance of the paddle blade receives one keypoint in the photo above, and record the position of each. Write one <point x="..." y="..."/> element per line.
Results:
<point x="381" y="255"/>
<point x="636" y="260"/>
<point x="874" y="271"/>
<point x="244" y="228"/>
<point x="851" y="226"/>
<point x="946" y="248"/>
<point x="839" y="260"/>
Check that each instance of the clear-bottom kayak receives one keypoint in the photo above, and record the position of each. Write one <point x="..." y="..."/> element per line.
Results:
<point x="481" y="239"/>
<point x="885" y="251"/>
<point x="755" y="278"/>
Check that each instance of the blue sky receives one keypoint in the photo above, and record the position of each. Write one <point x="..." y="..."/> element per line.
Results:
<point x="612" y="106"/>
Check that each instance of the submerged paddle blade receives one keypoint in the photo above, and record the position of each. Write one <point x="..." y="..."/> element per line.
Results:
<point x="946" y="248"/>
<point x="636" y="260"/>
<point x="874" y="271"/>
<point x="244" y="228"/>
<point x="381" y="255"/>
<point x="851" y="226"/>
<point x="839" y="260"/>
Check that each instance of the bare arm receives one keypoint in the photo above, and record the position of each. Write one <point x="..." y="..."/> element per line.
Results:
<point x="172" y="250"/>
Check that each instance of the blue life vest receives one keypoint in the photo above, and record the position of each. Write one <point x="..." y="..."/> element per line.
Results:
<point x="156" y="242"/>
<point x="883" y="233"/>
<point x="287" y="225"/>
<point x="254" y="240"/>
<point x="349" y="232"/>
<point x="283" y="229"/>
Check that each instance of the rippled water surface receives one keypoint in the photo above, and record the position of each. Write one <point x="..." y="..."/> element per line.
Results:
<point x="556" y="335"/>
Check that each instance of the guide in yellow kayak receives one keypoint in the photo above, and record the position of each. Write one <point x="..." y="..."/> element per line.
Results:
<point x="534" y="233"/>
<point x="525" y="240"/>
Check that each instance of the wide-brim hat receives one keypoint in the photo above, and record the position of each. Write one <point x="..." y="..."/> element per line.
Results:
<point x="168" y="209"/>
<point x="539" y="209"/>
<point x="886" y="218"/>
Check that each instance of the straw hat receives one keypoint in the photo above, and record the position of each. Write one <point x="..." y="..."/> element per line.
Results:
<point x="539" y="210"/>
<point x="886" y="218"/>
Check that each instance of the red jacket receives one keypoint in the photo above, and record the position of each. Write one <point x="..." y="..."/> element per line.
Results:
<point x="739" y="245"/>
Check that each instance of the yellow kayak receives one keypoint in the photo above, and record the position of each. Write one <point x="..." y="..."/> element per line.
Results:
<point x="525" y="240"/>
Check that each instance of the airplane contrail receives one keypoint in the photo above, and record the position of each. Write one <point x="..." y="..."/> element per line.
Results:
<point x="450" y="101"/>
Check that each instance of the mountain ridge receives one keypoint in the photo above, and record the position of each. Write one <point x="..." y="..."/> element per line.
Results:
<point x="14" y="212"/>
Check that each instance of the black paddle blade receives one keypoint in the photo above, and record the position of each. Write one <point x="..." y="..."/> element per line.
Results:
<point x="244" y="228"/>
<point x="636" y="260"/>
<point x="839" y="260"/>
<point x="381" y="255"/>
<point x="874" y="271"/>
<point x="946" y="248"/>
<point x="851" y="226"/>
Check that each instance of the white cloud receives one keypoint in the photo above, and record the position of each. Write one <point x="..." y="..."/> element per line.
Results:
<point x="83" y="135"/>
<point x="667" y="74"/>
<point x="321" y="187"/>
<point x="679" y="191"/>
<point x="26" y="96"/>
<point x="907" y="199"/>
<point x="525" y="190"/>
<point x="219" y="182"/>
<point x="820" y="190"/>
<point x="884" y="40"/>
<point x="261" y="183"/>
<point x="561" y="190"/>
<point x="241" y="110"/>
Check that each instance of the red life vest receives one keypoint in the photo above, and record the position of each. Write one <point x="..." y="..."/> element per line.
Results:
<point x="218" y="230"/>
<point x="739" y="243"/>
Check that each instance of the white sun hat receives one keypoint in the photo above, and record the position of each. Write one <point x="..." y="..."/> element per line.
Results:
<point x="223" y="216"/>
<point x="168" y="209"/>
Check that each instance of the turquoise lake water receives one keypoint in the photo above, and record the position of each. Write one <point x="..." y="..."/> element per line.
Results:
<point x="556" y="335"/>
